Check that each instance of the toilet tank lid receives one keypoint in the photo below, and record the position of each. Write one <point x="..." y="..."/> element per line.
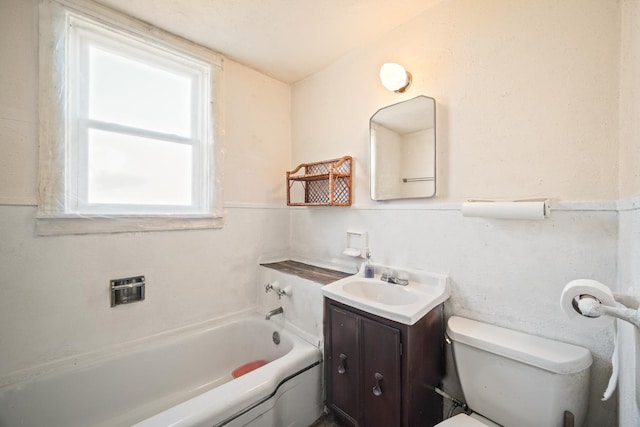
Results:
<point x="544" y="353"/>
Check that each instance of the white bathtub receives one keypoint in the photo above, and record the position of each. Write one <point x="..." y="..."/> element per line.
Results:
<point x="182" y="381"/>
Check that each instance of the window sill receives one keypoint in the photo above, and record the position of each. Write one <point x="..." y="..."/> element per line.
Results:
<point x="75" y="224"/>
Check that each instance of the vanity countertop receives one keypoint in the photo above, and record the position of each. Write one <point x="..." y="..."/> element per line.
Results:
<point x="320" y="275"/>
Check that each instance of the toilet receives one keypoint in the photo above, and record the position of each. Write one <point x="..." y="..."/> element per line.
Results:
<point x="514" y="379"/>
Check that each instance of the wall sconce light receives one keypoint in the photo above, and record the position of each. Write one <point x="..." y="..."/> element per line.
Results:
<point x="394" y="77"/>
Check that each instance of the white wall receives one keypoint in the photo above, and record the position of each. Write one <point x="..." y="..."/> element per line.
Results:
<point x="630" y="100"/>
<point x="525" y="90"/>
<point x="527" y="105"/>
<point x="303" y="309"/>
<point x="629" y="281"/>
<point x="54" y="299"/>
<point x="629" y="245"/>
<point x="18" y="108"/>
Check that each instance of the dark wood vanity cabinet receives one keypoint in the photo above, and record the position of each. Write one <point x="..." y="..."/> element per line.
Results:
<point x="382" y="373"/>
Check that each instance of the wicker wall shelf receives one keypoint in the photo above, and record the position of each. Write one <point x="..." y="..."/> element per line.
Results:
<point x="326" y="183"/>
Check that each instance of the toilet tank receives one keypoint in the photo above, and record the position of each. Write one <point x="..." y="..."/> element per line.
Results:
<point x="517" y="379"/>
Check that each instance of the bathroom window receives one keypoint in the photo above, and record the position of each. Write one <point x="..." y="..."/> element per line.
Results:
<point x="128" y="125"/>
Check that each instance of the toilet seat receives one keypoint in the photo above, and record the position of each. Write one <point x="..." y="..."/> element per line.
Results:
<point x="464" y="420"/>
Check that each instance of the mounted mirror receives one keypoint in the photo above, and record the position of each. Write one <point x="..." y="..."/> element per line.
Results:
<point x="403" y="150"/>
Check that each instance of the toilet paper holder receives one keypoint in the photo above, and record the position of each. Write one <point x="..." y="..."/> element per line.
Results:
<point x="590" y="306"/>
<point x="590" y="301"/>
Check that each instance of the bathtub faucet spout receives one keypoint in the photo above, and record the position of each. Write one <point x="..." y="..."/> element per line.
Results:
<point x="273" y="312"/>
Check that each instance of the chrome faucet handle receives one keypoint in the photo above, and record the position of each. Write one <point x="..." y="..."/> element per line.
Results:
<point x="402" y="278"/>
<point x="284" y="292"/>
<point x="387" y="275"/>
<point x="268" y="288"/>
<point x="396" y="278"/>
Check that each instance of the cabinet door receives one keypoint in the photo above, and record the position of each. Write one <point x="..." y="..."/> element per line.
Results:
<point x="344" y="366"/>
<point x="381" y="376"/>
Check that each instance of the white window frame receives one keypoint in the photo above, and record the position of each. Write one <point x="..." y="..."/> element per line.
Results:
<point x="63" y="206"/>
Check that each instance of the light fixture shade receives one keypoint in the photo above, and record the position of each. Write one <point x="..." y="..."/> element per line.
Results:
<point x="394" y="77"/>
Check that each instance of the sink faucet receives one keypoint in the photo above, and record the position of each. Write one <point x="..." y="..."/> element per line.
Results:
<point x="400" y="278"/>
<point x="273" y="312"/>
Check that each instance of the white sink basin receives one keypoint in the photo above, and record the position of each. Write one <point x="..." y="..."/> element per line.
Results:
<point x="403" y="304"/>
<point x="380" y="292"/>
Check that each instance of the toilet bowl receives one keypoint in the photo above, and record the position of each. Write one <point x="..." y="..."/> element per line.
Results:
<point x="516" y="379"/>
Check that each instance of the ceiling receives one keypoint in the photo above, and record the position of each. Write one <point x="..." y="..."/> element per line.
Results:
<point x="285" y="39"/>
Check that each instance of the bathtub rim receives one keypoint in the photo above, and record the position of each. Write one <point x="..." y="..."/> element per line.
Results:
<point x="87" y="359"/>
<point x="251" y="390"/>
<point x="273" y="394"/>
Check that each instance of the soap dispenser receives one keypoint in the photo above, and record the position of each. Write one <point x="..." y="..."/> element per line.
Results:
<point x="369" y="272"/>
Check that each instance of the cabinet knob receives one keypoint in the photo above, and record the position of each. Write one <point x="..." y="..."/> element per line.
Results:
<point x="341" y="368"/>
<point x="377" y="390"/>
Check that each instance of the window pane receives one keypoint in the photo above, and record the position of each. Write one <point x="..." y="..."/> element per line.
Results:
<point x="131" y="93"/>
<point x="126" y="169"/>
